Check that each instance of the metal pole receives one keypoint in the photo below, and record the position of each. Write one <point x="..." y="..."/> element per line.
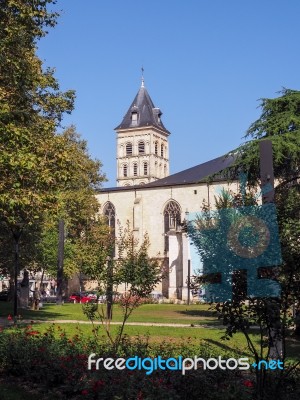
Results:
<point x="109" y="289"/>
<point x="60" y="261"/>
<point x="16" y="235"/>
<point x="16" y="278"/>
<point x="268" y="195"/>
<point x="189" y="282"/>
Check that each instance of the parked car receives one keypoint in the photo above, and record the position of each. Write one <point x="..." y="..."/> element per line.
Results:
<point x="83" y="297"/>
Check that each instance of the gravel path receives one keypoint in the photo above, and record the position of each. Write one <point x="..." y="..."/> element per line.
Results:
<point x="5" y="322"/>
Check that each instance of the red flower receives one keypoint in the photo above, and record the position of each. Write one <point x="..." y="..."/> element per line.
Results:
<point x="248" y="383"/>
<point x="32" y="333"/>
<point x="140" y="396"/>
<point x="98" y="384"/>
<point x="9" y="317"/>
<point x="85" y="392"/>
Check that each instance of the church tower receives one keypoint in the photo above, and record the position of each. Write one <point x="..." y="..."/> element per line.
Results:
<point x="142" y="143"/>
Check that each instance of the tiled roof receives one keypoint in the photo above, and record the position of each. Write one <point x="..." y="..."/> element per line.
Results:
<point x="197" y="174"/>
<point x="147" y="113"/>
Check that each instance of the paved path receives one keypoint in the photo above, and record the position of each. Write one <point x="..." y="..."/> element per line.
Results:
<point x="5" y="322"/>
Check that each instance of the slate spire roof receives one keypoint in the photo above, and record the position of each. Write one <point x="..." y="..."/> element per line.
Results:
<point x="142" y="113"/>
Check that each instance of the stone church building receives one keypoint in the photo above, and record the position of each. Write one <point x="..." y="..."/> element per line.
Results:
<point x="154" y="201"/>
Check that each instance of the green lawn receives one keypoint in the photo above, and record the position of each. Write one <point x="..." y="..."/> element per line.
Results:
<point x="193" y="315"/>
<point x="156" y="313"/>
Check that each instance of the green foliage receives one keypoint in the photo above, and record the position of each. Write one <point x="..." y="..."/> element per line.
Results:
<point x="280" y="123"/>
<point x="77" y="205"/>
<point x="134" y="267"/>
<point x="131" y="267"/>
<point x="44" y="175"/>
<point x="32" y="158"/>
<point x="57" y="363"/>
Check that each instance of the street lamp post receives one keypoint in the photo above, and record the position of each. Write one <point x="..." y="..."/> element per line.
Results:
<point x="109" y="288"/>
<point x="17" y="232"/>
<point x="60" y="261"/>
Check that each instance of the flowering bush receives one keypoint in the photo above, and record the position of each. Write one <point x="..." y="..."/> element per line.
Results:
<point x="58" y="363"/>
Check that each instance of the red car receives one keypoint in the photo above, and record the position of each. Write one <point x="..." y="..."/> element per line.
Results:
<point x="82" y="297"/>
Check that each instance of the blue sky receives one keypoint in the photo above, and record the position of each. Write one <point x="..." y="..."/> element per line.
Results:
<point x="207" y="62"/>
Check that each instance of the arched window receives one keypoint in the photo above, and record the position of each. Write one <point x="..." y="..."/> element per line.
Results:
<point x="129" y="149"/>
<point x="125" y="170"/>
<point x="141" y="146"/>
<point x="162" y="150"/>
<point x="172" y="214"/>
<point x="109" y="212"/>
<point x="145" y="168"/>
<point x="156" y="148"/>
<point x="135" y="169"/>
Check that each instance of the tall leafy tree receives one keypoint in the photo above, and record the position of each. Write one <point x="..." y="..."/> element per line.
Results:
<point x="33" y="162"/>
<point x="76" y="205"/>
<point x="37" y="165"/>
<point x="280" y="123"/>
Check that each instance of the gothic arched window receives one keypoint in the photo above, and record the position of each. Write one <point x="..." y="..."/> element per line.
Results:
<point x="162" y="150"/>
<point x="129" y="149"/>
<point x="135" y="169"/>
<point x="172" y="218"/>
<point x="109" y="212"/>
<point x="156" y="148"/>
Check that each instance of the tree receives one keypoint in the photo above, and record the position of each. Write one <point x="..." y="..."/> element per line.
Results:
<point x="33" y="163"/>
<point x="76" y="204"/>
<point x="280" y="123"/>
<point x="131" y="267"/>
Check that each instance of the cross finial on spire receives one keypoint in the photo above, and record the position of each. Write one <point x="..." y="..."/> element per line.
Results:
<point x="143" y="82"/>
